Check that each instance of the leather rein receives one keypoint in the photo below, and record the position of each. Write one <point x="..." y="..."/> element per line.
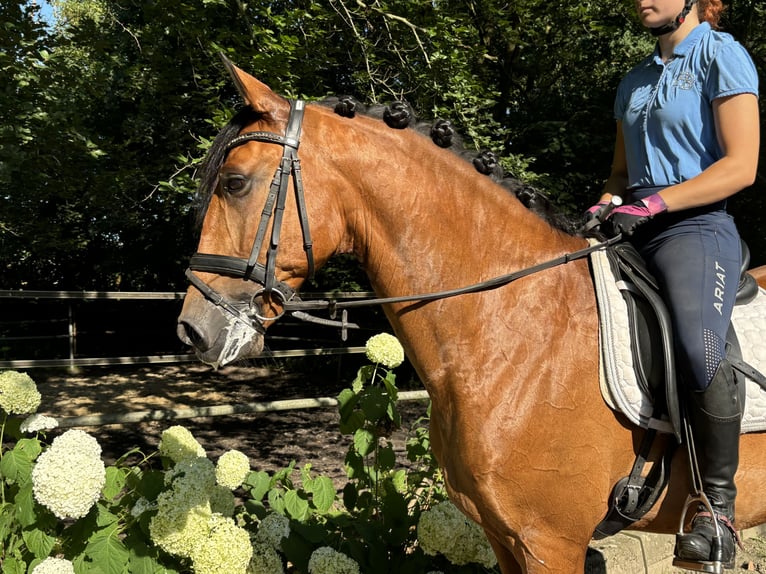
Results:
<point x="265" y="275"/>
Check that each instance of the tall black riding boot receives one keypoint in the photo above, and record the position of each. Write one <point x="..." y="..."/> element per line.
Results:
<point x="715" y="418"/>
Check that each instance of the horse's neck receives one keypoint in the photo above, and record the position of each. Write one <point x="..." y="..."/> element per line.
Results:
<point x="431" y="222"/>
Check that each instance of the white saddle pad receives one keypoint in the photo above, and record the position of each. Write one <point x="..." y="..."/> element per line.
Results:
<point x="619" y="386"/>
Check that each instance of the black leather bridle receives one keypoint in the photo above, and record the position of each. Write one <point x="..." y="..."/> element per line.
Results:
<point x="249" y="269"/>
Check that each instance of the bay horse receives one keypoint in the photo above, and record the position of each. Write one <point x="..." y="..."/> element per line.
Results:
<point x="529" y="449"/>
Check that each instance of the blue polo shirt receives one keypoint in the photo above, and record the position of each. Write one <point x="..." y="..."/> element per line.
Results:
<point x="666" y="108"/>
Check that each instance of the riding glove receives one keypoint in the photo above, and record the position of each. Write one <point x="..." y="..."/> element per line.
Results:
<point x="592" y="214"/>
<point x="626" y="218"/>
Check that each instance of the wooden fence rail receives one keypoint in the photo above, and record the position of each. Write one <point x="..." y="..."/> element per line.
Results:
<point x="99" y="419"/>
<point x="73" y="361"/>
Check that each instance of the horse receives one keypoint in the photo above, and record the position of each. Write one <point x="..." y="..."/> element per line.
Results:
<point x="529" y="449"/>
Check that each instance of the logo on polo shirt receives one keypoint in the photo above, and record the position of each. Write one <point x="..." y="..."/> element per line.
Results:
<point x="684" y="81"/>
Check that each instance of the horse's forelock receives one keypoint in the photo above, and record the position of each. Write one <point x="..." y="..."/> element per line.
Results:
<point x="215" y="157"/>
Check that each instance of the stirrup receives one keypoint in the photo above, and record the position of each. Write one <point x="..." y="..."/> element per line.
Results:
<point x="716" y="565"/>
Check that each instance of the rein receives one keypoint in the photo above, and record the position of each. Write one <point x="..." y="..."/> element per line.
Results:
<point x="250" y="269"/>
<point x="487" y="285"/>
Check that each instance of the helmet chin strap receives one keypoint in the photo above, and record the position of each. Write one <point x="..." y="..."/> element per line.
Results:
<point x="674" y="24"/>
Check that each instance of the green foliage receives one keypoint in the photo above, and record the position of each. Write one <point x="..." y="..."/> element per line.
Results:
<point x="106" y="114"/>
<point x="373" y="519"/>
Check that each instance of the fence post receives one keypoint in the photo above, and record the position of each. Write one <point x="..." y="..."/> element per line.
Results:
<point x="73" y="369"/>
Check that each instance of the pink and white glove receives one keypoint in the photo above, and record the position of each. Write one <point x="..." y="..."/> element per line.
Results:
<point x="626" y="218"/>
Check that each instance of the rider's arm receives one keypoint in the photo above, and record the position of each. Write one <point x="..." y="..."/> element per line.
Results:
<point x="737" y="126"/>
<point x="618" y="177"/>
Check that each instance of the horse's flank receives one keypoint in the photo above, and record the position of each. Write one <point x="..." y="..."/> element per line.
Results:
<point x="529" y="448"/>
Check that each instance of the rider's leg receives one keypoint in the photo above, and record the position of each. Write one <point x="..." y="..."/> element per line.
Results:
<point x="697" y="262"/>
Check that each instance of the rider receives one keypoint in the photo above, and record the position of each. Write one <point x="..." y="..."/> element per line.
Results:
<point x="687" y="139"/>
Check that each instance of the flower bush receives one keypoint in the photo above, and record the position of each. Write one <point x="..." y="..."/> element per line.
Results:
<point x="62" y="511"/>
<point x="445" y="530"/>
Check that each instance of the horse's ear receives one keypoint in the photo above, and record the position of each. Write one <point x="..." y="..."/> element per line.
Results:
<point x="255" y="93"/>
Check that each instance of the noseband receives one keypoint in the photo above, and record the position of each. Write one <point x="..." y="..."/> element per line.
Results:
<point x="249" y="269"/>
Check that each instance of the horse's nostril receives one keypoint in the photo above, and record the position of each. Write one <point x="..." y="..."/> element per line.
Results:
<point x="191" y="336"/>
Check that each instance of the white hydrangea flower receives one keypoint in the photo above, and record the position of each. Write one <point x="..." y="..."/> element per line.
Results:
<point x="18" y="393"/>
<point x="222" y="500"/>
<point x="68" y="477"/>
<point x="36" y="423"/>
<point x="54" y="566"/>
<point x="181" y="522"/>
<point x="192" y="474"/>
<point x="273" y="529"/>
<point x="226" y="549"/>
<point x="232" y="469"/>
<point x="385" y="349"/>
<point x="326" y="560"/>
<point x="178" y="444"/>
<point x="79" y="441"/>
<point x="445" y="530"/>
<point x="265" y="560"/>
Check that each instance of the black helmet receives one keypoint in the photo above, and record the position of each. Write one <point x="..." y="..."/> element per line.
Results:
<point x="674" y="24"/>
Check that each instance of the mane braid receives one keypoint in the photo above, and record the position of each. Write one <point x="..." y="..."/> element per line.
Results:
<point x="215" y="158"/>
<point x="444" y="135"/>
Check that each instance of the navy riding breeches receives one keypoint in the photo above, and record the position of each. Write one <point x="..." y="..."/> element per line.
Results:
<point x="696" y="256"/>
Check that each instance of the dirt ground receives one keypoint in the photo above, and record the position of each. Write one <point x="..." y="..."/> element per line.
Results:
<point x="271" y="440"/>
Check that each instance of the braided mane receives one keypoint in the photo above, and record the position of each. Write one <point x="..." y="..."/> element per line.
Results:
<point x="397" y="115"/>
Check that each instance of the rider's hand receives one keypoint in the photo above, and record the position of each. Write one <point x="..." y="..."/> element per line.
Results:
<point x="626" y="218"/>
<point x="591" y="218"/>
<point x="591" y="212"/>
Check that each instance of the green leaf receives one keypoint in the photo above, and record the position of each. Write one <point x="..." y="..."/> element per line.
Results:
<point x="374" y="403"/>
<point x="149" y="484"/>
<point x="352" y="423"/>
<point x="38" y="542"/>
<point x="13" y="566"/>
<point x="16" y="464"/>
<point x="323" y="493"/>
<point x="350" y="496"/>
<point x="104" y="517"/>
<point x="276" y="501"/>
<point x="364" y="442"/>
<point x="399" y="480"/>
<point x="6" y="520"/>
<point x="258" y="483"/>
<point x="296" y="506"/>
<point x="346" y="401"/>
<point x="386" y="458"/>
<point x="106" y="550"/>
<point x="115" y="482"/>
<point x="25" y="506"/>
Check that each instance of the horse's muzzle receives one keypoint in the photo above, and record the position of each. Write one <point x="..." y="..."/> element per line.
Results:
<point x="217" y="338"/>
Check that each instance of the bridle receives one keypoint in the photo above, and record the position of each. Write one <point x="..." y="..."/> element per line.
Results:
<point x="265" y="275"/>
<point x="249" y="269"/>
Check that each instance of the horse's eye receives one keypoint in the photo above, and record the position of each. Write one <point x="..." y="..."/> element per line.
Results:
<point x="235" y="184"/>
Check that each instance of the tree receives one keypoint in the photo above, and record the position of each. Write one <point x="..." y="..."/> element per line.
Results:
<point x="106" y="114"/>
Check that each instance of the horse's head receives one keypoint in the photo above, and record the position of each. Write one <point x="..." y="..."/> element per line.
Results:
<point x="255" y="246"/>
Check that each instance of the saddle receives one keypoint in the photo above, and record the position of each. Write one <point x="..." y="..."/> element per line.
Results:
<point x="651" y="348"/>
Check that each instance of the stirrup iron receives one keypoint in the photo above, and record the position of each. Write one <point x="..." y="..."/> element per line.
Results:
<point x="707" y="566"/>
<point x="715" y="566"/>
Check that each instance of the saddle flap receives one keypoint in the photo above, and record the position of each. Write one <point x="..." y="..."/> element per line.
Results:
<point x="651" y="331"/>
